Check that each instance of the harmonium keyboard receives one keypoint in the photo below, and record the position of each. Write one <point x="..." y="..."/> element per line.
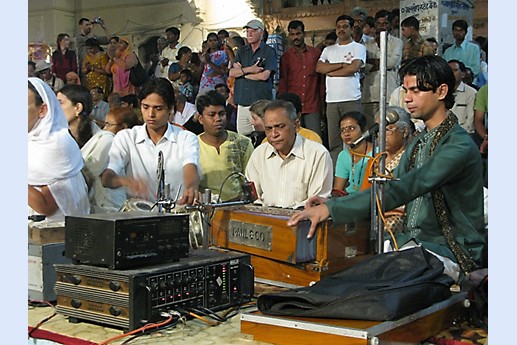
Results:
<point x="282" y="255"/>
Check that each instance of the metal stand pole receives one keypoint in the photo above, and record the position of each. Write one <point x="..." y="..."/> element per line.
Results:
<point x="378" y="186"/>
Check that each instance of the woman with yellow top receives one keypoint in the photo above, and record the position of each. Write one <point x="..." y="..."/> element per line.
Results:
<point x="94" y="67"/>
<point x="122" y="59"/>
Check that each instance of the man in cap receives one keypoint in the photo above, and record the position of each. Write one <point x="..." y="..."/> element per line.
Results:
<point x="253" y="69"/>
<point x="44" y="73"/>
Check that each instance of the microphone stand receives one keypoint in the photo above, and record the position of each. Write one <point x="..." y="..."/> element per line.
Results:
<point x="160" y="172"/>
<point x="377" y="190"/>
<point x="164" y="201"/>
<point x="207" y="206"/>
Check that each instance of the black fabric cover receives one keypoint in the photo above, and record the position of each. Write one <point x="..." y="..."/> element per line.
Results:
<point x="138" y="75"/>
<point x="382" y="287"/>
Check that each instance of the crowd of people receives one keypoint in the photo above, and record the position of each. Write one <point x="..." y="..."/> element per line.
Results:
<point x="217" y="117"/>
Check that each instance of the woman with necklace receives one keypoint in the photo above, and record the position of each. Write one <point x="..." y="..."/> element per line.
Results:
<point x="398" y="135"/>
<point x="351" y="163"/>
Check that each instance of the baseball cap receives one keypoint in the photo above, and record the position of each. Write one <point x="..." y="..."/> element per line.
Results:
<point x="254" y="24"/>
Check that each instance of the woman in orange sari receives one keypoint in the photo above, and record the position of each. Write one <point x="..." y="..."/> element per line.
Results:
<point x="121" y="60"/>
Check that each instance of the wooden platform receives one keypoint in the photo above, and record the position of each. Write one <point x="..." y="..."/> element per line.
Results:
<point x="43" y="235"/>
<point x="411" y="329"/>
<point x="283" y="274"/>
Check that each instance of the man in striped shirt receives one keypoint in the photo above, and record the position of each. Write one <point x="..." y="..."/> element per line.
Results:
<point x="288" y="169"/>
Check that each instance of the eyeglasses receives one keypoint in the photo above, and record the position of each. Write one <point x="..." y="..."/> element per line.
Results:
<point x="348" y="129"/>
<point x="112" y="124"/>
<point x="391" y="129"/>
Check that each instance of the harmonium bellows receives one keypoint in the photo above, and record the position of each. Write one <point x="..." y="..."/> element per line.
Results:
<point x="263" y="233"/>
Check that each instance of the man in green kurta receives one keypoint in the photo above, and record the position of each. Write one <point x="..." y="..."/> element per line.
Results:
<point x="440" y="176"/>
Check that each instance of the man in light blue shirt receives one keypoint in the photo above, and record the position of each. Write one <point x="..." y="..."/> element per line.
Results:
<point x="463" y="50"/>
<point x="100" y="107"/>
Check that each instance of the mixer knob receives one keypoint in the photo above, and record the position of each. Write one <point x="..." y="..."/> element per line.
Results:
<point x="114" y="286"/>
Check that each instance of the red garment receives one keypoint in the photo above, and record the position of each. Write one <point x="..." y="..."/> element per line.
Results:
<point x="298" y="75"/>
<point x="64" y="63"/>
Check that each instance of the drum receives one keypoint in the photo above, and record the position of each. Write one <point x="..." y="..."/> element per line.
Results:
<point x="195" y="218"/>
<point x="134" y="204"/>
<point x="196" y="229"/>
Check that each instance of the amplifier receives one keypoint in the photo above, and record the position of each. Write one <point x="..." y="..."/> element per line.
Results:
<point x="42" y="275"/>
<point x="129" y="299"/>
<point x="126" y="239"/>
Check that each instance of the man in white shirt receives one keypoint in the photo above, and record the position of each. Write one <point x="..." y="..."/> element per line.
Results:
<point x="170" y="52"/>
<point x="372" y="80"/>
<point x="341" y="64"/>
<point x="133" y="156"/>
<point x="288" y="169"/>
<point x="465" y="98"/>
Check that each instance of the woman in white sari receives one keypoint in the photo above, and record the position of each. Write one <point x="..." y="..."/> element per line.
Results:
<point x="56" y="186"/>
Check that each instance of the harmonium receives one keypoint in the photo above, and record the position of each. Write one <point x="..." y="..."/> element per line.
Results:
<point x="282" y="255"/>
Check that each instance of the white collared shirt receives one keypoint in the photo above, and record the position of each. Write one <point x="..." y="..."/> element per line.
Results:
<point x="465" y="98"/>
<point x="289" y="182"/>
<point x="134" y="154"/>
<point x="181" y="118"/>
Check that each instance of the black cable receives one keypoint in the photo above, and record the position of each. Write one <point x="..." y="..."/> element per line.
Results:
<point x="224" y="181"/>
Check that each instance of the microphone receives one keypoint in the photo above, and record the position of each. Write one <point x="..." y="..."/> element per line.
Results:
<point x="160" y="174"/>
<point x="391" y="117"/>
<point x="366" y="135"/>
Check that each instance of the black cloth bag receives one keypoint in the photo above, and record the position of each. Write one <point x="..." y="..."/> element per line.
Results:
<point x="382" y="287"/>
<point x="137" y="75"/>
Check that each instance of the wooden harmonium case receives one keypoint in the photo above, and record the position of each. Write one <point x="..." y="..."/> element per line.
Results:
<point x="263" y="231"/>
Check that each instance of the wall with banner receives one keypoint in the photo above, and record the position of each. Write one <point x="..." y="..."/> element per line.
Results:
<point x="436" y="18"/>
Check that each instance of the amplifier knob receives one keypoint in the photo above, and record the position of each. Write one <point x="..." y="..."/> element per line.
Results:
<point x="75" y="279"/>
<point x="75" y="303"/>
<point x="114" y="286"/>
<point x="224" y="298"/>
<point x="115" y="311"/>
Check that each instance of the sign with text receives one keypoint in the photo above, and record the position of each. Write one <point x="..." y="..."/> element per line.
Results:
<point x="249" y="234"/>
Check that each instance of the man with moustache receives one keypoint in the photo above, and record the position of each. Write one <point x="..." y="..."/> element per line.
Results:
<point x="341" y="63"/>
<point x="359" y="15"/>
<point x="298" y="75"/>
<point x="288" y="168"/>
